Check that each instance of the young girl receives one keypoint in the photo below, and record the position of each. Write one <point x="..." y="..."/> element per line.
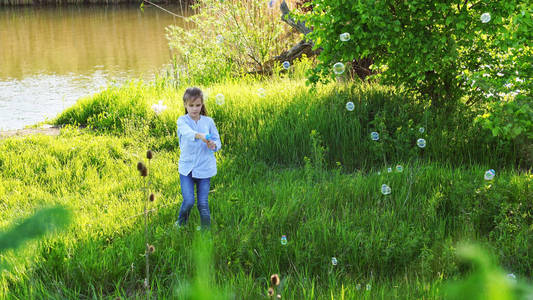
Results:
<point x="198" y="139"/>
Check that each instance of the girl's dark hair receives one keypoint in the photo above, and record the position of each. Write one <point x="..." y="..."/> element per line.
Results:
<point x="192" y="94"/>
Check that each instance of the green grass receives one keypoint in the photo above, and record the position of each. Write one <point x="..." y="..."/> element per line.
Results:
<point x="275" y="177"/>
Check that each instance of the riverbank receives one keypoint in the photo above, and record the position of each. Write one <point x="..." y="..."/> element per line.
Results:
<point x="294" y="163"/>
<point x="45" y="130"/>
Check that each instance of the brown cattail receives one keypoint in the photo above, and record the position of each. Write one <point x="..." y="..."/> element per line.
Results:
<point x="152" y="197"/>
<point x="274" y="279"/>
<point x="149" y="154"/>
<point x="144" y="171"/>
<point x="140" y="166"/>
<point x="270" y="292"/>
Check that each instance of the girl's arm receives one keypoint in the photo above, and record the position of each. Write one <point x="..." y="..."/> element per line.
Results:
<point x="215" y="137"/>
<point x="187" y="133"/>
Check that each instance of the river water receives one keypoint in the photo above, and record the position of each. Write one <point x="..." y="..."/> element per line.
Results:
<point x="52" y="56"/>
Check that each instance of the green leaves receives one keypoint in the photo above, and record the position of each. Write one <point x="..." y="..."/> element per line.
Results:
<point x="413" y="38"/>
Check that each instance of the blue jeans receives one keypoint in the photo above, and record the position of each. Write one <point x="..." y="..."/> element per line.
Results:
<point x="187" y="191"/>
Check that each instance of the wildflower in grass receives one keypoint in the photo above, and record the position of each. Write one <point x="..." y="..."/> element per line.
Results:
<point x="279" y="296"/>
<point x="198" y="139"/>
<point x="151" y="249"/>
<point x="274" y="279"/>
<point x="270" y="292"/>
<point x="149" y="154"/>
<point x="286" y="65"/>
<point x="144" y="171"/>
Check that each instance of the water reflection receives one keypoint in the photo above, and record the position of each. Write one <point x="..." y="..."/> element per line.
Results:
<point x="51" y="56"/>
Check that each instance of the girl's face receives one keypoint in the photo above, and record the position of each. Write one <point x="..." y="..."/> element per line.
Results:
<point x="193" y="107"/>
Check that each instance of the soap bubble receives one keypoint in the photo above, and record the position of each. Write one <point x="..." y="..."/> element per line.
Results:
<point x="338" y="68"/>
<point x="261" y="92"/>
<point x="399" y="168"/>
<point x="374" y="135"/>
<point x="284" y="240"/>
<point x="511" y="277"/>
<point x="345" y="37"/>
<point x="286" y="65"/>
<point x="385" y="189"/>
<point x="368" y="286"/>
<point x="489" y="175"/>
<point x="350" y="106"/>
<point x="358" y="286"/>
<point x="219" y="99"/>
<point x="220" y="39"/>
<point x="421" y="143"/>
<point x="334" y="261"/>
<point x="485" y="18"/>
<point x="421" y="129"/>
<point x="389" y="170"/>
<point x="198" y="228"/>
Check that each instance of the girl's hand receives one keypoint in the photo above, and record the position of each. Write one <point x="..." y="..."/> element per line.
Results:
<point x="201" y="136"/>
<point x="211" y="145"/>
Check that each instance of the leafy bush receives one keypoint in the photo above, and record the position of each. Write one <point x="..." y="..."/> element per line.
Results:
<point x="443" y="50"/>
<point x="228" y="38"/>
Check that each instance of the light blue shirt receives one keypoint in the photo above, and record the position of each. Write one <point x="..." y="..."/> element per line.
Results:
<point x="194" y="154"/>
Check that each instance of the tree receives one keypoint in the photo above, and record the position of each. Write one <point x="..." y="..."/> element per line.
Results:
<point x="441" y="50"/>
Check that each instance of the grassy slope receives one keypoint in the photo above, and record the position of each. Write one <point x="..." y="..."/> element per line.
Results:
<point x="402" y="244"/>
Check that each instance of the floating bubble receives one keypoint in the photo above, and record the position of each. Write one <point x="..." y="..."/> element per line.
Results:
<point x="350" y="106"/>
<point x="511" y="277"/>
<point x="379" y="173"/>
<point x="286" y="65"/>
<point x="338" y="68"/>
<point x="374" y="136"/>
<point x="421" y="129"/>
<point x="198" y="228"/>
<point x="368" y="287"/>
<point x="385" y="189"/>
<point x="284" y="240"/>
<point x="389" y="169"/>
<point x="261" y="92"/>
<point x="358" y="286"/>
<point x="489" y="175"/>
<point x="219" y="99"/>
<point x="485" y="18"/>
<point x="345" y="37"/>
<point x="220" y="39"/>
<point x="421" y="143"/>
<point x="334" y="261"/>
<point x="399" y="168"/>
